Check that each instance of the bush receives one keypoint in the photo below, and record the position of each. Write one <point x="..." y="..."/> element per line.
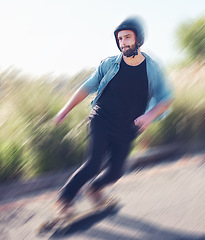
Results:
<point x="11" y="161"/>
<point x="29" y="144"/>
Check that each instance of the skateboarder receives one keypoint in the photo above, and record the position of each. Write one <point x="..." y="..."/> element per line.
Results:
<point x="131" y="93"/>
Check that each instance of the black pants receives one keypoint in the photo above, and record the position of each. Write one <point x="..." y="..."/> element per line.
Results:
<point x="102" y="145"/>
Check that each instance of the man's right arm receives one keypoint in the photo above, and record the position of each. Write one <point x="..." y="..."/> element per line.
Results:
<point x="89" y="86"/>
<point x="77" y="98"/>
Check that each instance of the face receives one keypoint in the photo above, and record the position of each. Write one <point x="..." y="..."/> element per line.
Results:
<point x="127" y="42"/>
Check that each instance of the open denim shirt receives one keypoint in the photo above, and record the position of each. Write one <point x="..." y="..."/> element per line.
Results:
<point x="158" y="88"/>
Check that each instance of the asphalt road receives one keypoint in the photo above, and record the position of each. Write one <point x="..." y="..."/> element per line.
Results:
<point x="163" y="202"/>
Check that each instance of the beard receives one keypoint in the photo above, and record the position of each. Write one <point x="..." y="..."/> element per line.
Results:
<point x="128" y="51"/>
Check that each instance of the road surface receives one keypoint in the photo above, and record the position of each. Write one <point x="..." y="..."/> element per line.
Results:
<point x="163" y="202"/>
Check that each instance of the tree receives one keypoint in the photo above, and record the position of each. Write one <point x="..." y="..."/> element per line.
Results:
<point x="191" y="38"/>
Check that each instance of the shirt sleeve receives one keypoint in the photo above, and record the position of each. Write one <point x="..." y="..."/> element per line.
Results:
<point x="164" y="90"/>
<point x="161" y="91"/>
<point x="91" y="84"/>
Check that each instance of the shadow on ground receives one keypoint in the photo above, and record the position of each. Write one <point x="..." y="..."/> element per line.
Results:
<point x="129" y="229"/>
<point x="85" y="223"/>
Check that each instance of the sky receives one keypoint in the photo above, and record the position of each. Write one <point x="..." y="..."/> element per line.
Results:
<point x="66" y="36"/>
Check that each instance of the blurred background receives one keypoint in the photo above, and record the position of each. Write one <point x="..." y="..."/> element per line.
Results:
<point x="49" y="47"/>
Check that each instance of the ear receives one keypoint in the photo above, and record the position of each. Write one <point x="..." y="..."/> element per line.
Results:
<point x="117" y="40"/>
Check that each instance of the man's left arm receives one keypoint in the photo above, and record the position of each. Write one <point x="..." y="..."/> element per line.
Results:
<point x="163" y="95"/>
<point x="146" y="119"/>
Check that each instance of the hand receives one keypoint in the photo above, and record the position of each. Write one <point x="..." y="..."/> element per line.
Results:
<point x="58" y="119"/>
<point x="143" y="122"/>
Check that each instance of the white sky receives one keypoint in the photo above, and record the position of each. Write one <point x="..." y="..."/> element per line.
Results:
<point x="65" y="36"/>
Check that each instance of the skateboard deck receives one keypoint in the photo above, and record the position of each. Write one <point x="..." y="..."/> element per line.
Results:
<point x="63" y="224"/>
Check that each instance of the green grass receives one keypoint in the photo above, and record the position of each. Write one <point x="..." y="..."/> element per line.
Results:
<point x="30" y="145"/>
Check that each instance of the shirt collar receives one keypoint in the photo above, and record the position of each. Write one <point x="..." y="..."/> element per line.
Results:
<point x="118" y="59"/>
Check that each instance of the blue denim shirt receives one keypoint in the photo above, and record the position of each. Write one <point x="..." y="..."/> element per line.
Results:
<point x="158" y="87"/>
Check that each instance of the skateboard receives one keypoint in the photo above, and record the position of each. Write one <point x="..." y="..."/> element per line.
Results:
<point x="62" y="224"/>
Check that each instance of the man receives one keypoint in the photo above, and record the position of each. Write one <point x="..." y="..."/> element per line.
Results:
<point x="131" y="94"/>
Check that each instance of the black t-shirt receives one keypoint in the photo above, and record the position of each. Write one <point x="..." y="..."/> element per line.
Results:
<point x="123" y="99"/>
